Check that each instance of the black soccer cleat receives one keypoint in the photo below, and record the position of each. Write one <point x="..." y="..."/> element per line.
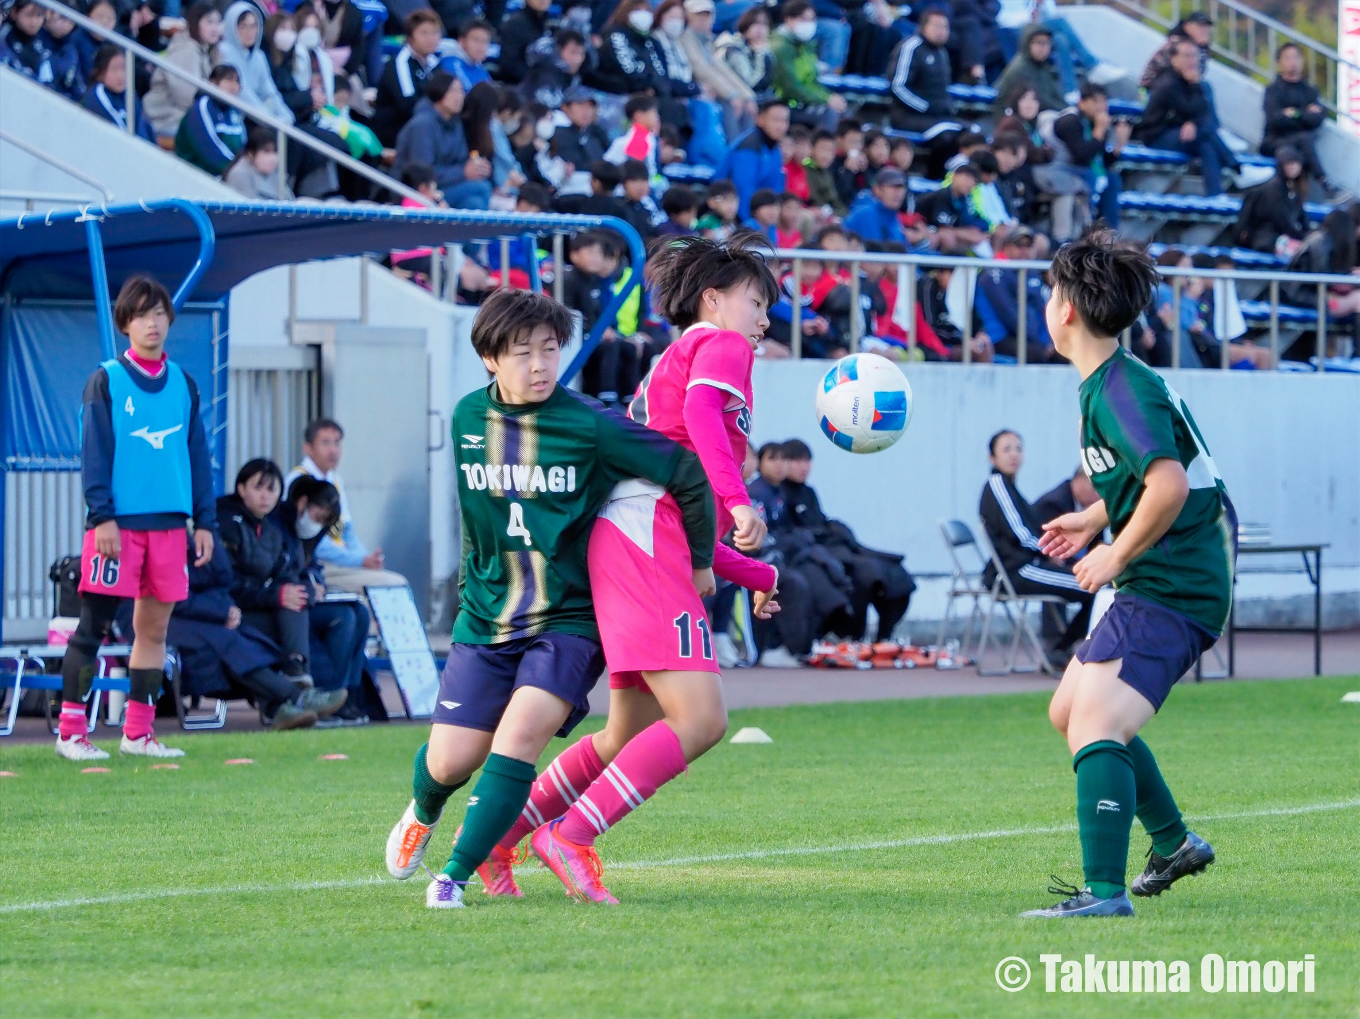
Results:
<point x="1191" y="857"/>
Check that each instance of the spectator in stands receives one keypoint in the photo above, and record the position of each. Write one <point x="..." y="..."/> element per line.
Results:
<point x="875" y="215"/>
<point x="958" y="227"/>
<point x="403" y="81"/>
<point x="796" y="71"/>
<point x="489" y="113"/>
<point x="788" y="228"/>
<point x="313" y="66"/>
<point x="747" y="51"/>
<point x="605" y="179"/>
<point x="1032" y="68"/>
<point x="350" y="566"/>
<point x="878" y="578"/>
<point x="1016" y="183"/>
<point x="549" y="79"/>
<point x="107" y="94"/>
<point x="641" y="140"/>
<point x="985" y="198"/>
<point x="754" y="160"/>
<point x="629" y="62"/>
<point x="1086" y="144"/>
<point x="1020" y="111"/>
<point x="681" y="206"/>
<point x="1197" y="28"/>
<point x="920" y="82"/>
<point x="764" y="218"/>
<point x="255" y="172"/>
<point x="931" y="289"/>
<point x="23" y="47"/>
<point x="211" y="133"/>
<point x="820" y="174"/>
<point x="193" y="51"/>
<point x="519" y="33"/>
<point x="464" y="57"/>
<point x="783" y="642"/>
<point x="1273" y="217"/>
<point x="1070" y="496"/>
<point x="643" y="212"/>
<point x="611" y="371"/>
<point x="1293" y="111"/>
<point x="1013" y="528"/>
<point x="241" y="48"/>
<point x="338" y="627"/>
<point x="668" y="25"/>
<point x="997" y="303"/>
<point x="1199" y="347"/>
<point x="721" y="206"/>
<point x="795" y="150"/>
<point x="737" y="97"/>
<point x="59" y="35"/>
<point x="435" y="136"/>
<point x="974" y="50"/>
<point x="581" y="141"/>
<point x="104" y="14"/>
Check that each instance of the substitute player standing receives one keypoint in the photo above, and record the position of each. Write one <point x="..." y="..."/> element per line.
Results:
<point x="146" y="470"/>
<point x="666" y="702"/>
<point x="537" y="462"/>
<point x="1172" y="561"/>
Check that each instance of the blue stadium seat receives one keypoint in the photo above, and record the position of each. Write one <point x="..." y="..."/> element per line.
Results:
<point x="1242" y="257"/>
<point x="1258" y="313"/>
<point x="864" y="87"/>
<point x="1196" y="208"/>
<point x="684" y="173"/>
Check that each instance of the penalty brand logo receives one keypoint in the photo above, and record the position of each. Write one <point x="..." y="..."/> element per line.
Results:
<point x="451" y="704"/>
<point x="1109" y="805"/>
<point x="473" y="441"/>
<point x="157" y="439"/>
<point x="1159" y="976"/>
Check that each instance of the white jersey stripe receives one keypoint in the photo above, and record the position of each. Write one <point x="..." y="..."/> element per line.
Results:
<point x="1053" y="578"/>
<point x="1012" y="515"/>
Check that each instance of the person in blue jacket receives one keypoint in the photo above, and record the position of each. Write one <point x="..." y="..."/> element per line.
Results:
<point x="107" y="95"/>
<point x="754" y="160"/>
<point x="875" y="215"/>
<point x="998" y="304"/>
<point x="212" y="134"/>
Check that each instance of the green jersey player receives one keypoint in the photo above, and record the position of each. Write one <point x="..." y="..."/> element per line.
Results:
<point x="1171" y="563"/>
<point x="536" y="462"/>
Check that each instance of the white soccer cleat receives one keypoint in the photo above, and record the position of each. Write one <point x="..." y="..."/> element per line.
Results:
<point x="443" y="893"/>
<point x="406" y="845"/>
<point x="79" y="748"/>
<point x="147" y="746"/>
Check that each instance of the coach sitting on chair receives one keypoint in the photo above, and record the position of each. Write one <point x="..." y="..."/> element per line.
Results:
<point x="1013" y="528"/>
<point x="349" y="565"/>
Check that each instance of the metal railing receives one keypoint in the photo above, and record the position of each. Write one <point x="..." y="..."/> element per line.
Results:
<point x="915" y="263"/>
<point x="58" y="164"/>
<point x="32" y="198"/>
<point x="1246" y="39"/>
<point x="282" y="131"/>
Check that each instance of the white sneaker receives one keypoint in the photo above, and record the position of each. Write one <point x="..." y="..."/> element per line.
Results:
<point x="442" y="893"/>
<point x="727" y="651"/>
<point x="1250" y="176"/>
<point x="779" y="658"/>
<point x="406" y="845"/>
<point x="147" y="746"/>
<point x="1105" y="72"/>
<point x="79" y="748"/>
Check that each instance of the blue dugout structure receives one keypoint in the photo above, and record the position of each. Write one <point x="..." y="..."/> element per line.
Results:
<point x="58" y="271"/>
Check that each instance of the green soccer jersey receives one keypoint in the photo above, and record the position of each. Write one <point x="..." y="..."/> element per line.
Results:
<point x="531" y="479"/>
<point x="1129" y="418"/>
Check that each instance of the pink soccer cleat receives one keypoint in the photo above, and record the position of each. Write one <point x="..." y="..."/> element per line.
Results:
<point x="577" y="867"/>
<point x="497" y="873"/>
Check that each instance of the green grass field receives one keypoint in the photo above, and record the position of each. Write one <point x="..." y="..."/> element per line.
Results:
<point x="798" y="878"/>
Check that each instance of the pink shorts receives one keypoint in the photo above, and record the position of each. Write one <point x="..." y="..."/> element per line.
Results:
<point x="651" y="618"/>
<point x="152" y="564"/>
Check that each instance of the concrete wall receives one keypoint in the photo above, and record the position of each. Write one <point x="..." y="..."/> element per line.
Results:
<point x="128" y="166"/>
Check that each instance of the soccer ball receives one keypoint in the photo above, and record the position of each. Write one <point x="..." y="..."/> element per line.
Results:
<point x="864" y="403"/>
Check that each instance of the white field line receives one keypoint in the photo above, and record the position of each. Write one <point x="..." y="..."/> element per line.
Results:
<point x="679" y="861"/>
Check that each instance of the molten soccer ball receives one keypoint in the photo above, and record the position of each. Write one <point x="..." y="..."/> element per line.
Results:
<point x="864" y="403"/>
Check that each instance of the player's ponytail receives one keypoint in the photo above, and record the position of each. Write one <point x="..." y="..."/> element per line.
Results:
<point x="681" y="269"/>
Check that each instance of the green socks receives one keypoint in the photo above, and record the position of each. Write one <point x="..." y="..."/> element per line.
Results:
<point x="1156" y="807"/>
<point x="495" y="804"/>
<point x="1106" y="796"/>
<point x="430" y="795"/>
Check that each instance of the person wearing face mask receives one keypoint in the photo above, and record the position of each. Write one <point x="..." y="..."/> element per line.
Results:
<point x="519" y="32"/>
<point x="255" y="172"/>
<point x="795" y="69"/>
<point x="489" y="114"/>
<point x="668" y="25"/>
<point x="242" y="48"/>
<point x="629" y="61"/>
<point x="107" y="94"/>
<point x="195" y="51"/>
<point x="548" y="80"/>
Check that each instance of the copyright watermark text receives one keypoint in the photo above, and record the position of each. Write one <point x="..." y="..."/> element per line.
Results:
<point x="1159" y="976"/>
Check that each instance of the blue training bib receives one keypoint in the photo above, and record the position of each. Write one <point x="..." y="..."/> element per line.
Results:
<point x="151" y="471"/>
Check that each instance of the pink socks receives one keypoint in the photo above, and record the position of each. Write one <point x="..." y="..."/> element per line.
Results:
<point x="72" y="722"/>
<point x="650" y="759"/>
<point x="140" y="719"/>
<point x="557" y="789"/>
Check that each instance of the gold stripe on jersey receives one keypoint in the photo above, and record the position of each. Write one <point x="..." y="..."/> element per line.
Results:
<point x="514" y="591"/>
<point x="536" y="617"/>
<point x="528" y="450"/>
<point x="494" y="425"/>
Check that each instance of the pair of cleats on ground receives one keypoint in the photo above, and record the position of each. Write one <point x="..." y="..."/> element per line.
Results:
<point x="79" y="748"/>
<point x="577" y="867"/>
<point x="1191" y="856"/>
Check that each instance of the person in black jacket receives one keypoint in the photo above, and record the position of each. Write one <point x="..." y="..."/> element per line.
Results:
<point x="629" y="61"/>
<point x="583" y="141"/>
<point x="1013" y="528"/>
<point x="403" y="80"/>
<point x="973" y="47"/>
<point x="920" y="79"/>
<point x="1275" y="209"/>
<point x="877" y="578"/>
<point x="551" y="78"/>
<point x="1293" y="110"/>
<point x="610" y="373"/>
<point x="518" y="34"/>
<point x="797" y="624"/>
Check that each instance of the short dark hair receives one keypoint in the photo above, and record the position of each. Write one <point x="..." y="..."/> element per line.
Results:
<point x="1279" y="50"/>
<point x="848" y="125"/>
<point x="633" y="169"/>
<point x="1090" y="90"/>
<point x="103" y="57"/>
<point x="223" y="72"/>
<point x="986" y="162"/>
<point x="1108" y="281"/>
<point x="423" y="16"/>
<point x="259" y="466"/>
<point x="139" y="295"/>
<point x="567" y="36"/>
<point x="678" y="199"/>
<point x="606" y="173"/>
<point x="770" y="102"/>
<point x="933" y="12"/>
<point x="589" y="239"/>
<point x="789" y="196"/>
<point x="1009" y="141"/>
<point x="414" y="175"/>
<point x="795" y="9"/>
<point x="751" y="16"/>
<point x="319" y="493"/>
<point x="638" y="104"/>
<point x="762" y="198"/>
<point x="719" y="188"/>
<point x="775" y="449"/>
<point x="536" y="195"/>
<point x="823" y="136"/>
<point x="899" y="142"/>
<point x="260" y="139"/>
<point x="800" y="133"/>
<point x="315" y="428"/>
<point x="438" y="84"/>
<point x="472" y="24"/>
<point x="683" y="268"/>
<point x="991" y="443"/>
<point x="508" y="314"/>
<point x="819" y="239"/>
<point x="797" y="449"/>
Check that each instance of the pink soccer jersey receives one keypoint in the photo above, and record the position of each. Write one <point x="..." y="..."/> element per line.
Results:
<point x="722" y="360"/>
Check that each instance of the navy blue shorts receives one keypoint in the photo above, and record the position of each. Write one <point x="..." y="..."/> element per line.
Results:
<point x="479" y="679"/>
<point x="1158" y="646"/>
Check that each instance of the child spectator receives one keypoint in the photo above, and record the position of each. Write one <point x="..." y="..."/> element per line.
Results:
<point x="890" y="326"/>
<point x="799" y="144"/>
<point x="818" y="171"/>
<point x="640" y="140"/>
<point x="65" y="56"/>
<point x="931" y="288"/>
<point x="417" y="261"/>
<point x="107" y="95"/>
<point x="901" y="154"/>
<point x="680" y="205"/>
<point x="255" y="172"/>
<point x="637" y="197"/>
<point x="791" y="212"/>
<point x="581" y="141"/>
<point x="585" y="289"/>
<point x="105" y="15"/>
<point x="764" y="218"/>
<point x="719" y="220"/>
<point x="403" y="80"/>
<point x="985" y="200"/>
<point x="816" y="282"/>
<point x="193" y="50"/>
<point x="958" y="228"/>
<point x="464" y="58"/>
<point x="211" y="133"/>
<point x="551" y="77"/>
<point x="1016" y="182"/>
<point x="876" y="152"/>
<point x="850" y="165"/>
<point x="875" y="215"/>
<point x="22" y="46"/>
<point x="969" y="145"/>
<point x="605" y="179"/>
